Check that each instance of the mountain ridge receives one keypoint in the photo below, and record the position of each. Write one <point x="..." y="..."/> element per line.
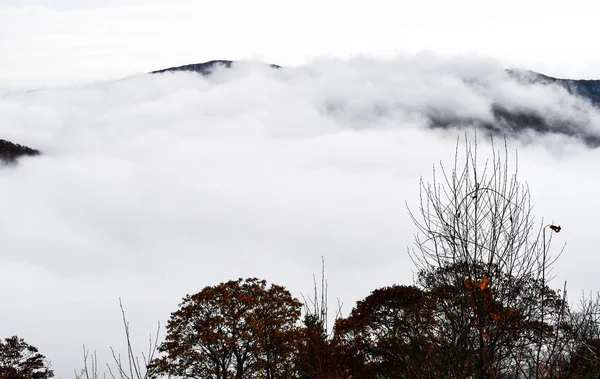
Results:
<point x="506" y="121"/>
<point x="10" y="152"/>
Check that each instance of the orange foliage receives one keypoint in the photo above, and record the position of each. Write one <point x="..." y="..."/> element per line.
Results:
<point x="233" y="330"/>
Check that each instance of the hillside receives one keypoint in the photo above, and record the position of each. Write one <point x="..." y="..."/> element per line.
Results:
<point x="506" y="121"/>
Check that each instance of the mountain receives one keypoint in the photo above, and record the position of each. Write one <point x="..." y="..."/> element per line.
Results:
<point x="515" y="122"/>
<point x="10" y="152"/>
<point x="205" y="68"/>
<point x="587" y="89"/>
<point x="506" y="121"/>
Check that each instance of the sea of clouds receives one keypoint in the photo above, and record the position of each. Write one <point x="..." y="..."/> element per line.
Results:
<point x="154" y="186"/>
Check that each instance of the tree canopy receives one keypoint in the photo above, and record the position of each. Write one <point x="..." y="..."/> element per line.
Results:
<point x="238" y="329"/>
<point x="20" y="360"/>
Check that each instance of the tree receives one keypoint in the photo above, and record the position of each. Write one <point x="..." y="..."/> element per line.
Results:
<point x="486" y="266"/>
<point x="130" y="368"/>
<point x="583" y="356"/>
<point x="386" y="335"/>
<point x="316" y="356"/>
<point x="488" y="333"/>
<point x="238" y="329"/>
<point x="19" y="360"/>
<point x="313" y="357"/>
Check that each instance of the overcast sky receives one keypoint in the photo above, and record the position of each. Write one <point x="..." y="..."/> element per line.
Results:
<point x="153" y="187"/>
<point x="58" y="41"/>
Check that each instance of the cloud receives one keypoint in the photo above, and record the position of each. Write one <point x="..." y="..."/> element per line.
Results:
<point x="155" y="186"/>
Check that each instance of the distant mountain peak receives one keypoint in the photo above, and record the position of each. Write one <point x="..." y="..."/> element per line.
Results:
<point x="205" y="68"/>
<point x="506" y="121"/>
<point x="585" y="88"/>
<point x="10" y="152"/>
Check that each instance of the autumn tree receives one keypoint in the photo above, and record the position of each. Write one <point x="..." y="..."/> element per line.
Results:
<point x="313" y="358"/>
<point x="238" y="329"/>
<point x="19" y="360"/>
<point x="387" y="334"/>
<point x="480" y="330"/>
<point x="479" y="254"/>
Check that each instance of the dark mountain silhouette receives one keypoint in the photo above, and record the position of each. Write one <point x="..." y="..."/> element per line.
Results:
<point x="506" y="121"/>
<point x="205" y="68"/>
<point x="587" y="89"/>
<point x="10" y="152"/>
<point x="513" y="122"/>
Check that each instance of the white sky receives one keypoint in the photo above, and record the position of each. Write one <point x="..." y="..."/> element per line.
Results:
<point x="154" y="187"/>
<point x="53" y="41"/>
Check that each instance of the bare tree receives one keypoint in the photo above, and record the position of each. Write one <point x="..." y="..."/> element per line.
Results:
<point x="90" y="366"/>
<point x="129" y="368"/>
<point x="479" y="251"/>
<point x="316" y="356"/>
<point x="479" y="214"/>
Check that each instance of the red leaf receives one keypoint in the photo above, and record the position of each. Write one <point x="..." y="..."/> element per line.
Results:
<point x="555" y="228"/>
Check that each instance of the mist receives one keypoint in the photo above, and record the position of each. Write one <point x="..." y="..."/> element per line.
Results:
<point x="155" y="186"/>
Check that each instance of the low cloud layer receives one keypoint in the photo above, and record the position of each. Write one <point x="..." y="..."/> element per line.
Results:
<point x="155" y="186"/>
